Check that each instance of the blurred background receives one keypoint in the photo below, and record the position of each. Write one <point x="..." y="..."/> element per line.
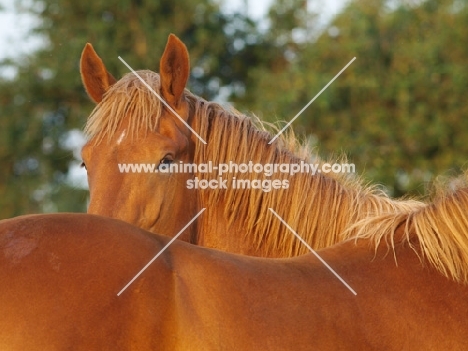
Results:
<point x="398" y="112"/>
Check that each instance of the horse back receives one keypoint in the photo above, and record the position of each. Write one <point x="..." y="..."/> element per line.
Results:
<point x="60" y="277"/>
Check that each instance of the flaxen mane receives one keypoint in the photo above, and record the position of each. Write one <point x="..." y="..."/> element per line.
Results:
<point x="319" y="207"/>
<point x="437" y="232"/>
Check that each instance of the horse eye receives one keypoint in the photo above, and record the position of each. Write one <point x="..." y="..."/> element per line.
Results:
<point x="167" y="160"/>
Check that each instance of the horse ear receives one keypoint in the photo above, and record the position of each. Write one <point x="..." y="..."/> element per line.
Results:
<point x="174" y="70"/>
<point x="94" y="75"/>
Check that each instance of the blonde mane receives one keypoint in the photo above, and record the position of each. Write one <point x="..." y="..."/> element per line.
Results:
<point x="319" y="207"/>
<point x="437" y="232"/>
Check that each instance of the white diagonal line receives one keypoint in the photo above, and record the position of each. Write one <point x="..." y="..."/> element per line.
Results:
<point x="162" y="100"/>
<point x="160" y="252"/>
<point x="313" y="251"/>
<point x="311" y="101"/>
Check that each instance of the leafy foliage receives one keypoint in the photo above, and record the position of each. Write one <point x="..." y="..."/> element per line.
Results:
<point x="398" y="111"/>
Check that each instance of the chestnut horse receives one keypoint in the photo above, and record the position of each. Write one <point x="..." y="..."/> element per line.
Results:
<point x="61" y="274"/>
<point x="130" y="125"/>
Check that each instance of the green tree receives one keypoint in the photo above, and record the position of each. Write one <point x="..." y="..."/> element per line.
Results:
<point x="398" y="111"/>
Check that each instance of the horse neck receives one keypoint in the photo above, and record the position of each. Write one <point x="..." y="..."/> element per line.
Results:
<point x="317" y="206"/>
<point x="319" y="215"/>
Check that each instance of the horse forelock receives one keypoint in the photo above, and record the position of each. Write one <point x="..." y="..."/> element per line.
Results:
<point x="127" y="101"/>
<point x="318" y="207"/>
<point x="438" y="231"/>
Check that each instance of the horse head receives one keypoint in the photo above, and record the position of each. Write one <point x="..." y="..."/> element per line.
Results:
<point x="138" y="128"/>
